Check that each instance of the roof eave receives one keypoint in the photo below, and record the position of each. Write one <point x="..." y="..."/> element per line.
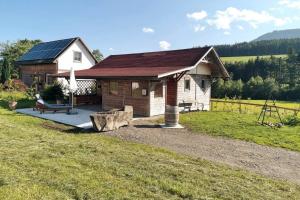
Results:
<point x="225" y="74"/>
<point x="63" y="75"/>
<point x="34" y="62"/>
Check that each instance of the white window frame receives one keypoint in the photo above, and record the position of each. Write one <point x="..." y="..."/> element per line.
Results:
<point x="184" y="85"/>
<point x="74" y="57"/>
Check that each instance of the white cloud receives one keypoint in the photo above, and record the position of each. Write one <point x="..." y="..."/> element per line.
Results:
<point x="164" y="45"/>
<point x="227" y="33"/>
<point x="197" y="15"/>
<point x="240" y="27"/>
<point x="148" y="30"/>
<point x="111" y="49"/>
<point x="290" y="3"/>
<point x="199" y="28"/>
<point x="224" y="19"/>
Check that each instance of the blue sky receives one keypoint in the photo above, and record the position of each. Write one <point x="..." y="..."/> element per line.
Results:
<point x="116" y="26"/>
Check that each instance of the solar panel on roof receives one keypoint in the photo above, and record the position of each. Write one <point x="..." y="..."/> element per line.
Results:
<point x="46" y="51"/>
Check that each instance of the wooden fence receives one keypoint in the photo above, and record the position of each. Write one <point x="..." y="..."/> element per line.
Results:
<point x="245" y="107"/>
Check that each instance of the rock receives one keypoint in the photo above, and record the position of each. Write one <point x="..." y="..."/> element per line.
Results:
<point x="112" y="120"/>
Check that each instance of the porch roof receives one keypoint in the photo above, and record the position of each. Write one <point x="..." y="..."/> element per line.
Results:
<point x="152" y="65"/>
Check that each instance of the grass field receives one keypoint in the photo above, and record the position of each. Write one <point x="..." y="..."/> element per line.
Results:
<point x="225" y="105"/>
<point x="286" y="104"/>
<point x="243" y="127"/>
<point x="43" y="160"/>
<point x="246" y="58"/>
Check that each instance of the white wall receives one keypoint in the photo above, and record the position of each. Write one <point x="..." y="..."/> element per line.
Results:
<point x="201" y="69"/>
<point x="157" y="104"/>
<point x="196" y="95"/>
<point x="65" y="60"/>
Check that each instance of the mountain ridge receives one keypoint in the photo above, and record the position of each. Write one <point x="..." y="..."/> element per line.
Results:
<point x="279" y="34"/>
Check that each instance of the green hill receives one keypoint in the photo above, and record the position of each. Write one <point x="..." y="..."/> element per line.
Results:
<point x="259" y="48"/>
<point x="281" y="34"/>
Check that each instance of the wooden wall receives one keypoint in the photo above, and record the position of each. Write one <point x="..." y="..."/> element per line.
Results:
<point x="140" y="104"/>
<point x="28" y="70"/>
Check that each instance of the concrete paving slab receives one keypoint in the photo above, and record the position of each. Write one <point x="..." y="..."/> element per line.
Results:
<point x="80" y="120"/>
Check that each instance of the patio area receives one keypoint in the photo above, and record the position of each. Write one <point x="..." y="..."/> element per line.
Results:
<point x="80" y="120"/>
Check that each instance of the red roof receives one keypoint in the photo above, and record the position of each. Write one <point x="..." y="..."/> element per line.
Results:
<point x="150" y="64"/>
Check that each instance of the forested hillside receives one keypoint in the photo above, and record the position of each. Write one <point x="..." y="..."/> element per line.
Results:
<point x="259" y="78"/>
<point x="259" y="48"/>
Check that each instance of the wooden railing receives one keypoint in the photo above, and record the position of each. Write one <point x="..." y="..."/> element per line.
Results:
<point x="225" y="106"/>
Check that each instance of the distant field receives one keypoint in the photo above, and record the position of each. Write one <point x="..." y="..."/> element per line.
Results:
<point x="246" y="58"/>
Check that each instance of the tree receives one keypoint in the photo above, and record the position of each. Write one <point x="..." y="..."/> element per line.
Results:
<point x="5" y="71"/>
<point x="270" y="87"/>
<point x="253" y="88"/>
<point x="98" y="55"/>
<point x="13" y="51"/>
<point x="218" y="90"/>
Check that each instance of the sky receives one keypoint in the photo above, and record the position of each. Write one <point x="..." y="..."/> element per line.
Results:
<point x="119" y="26"/>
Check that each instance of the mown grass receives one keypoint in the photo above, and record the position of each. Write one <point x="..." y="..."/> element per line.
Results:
<point x="286" y="104"/>
<point x="38" y="161"/>
<point x="231" y="105"/>
<point x="243" y="127"/>
<point x="247" y="58"/>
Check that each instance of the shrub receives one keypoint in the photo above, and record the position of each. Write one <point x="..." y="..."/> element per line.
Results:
<point x="53" y="92"/>
<point x="30" y="93"/>
<point x="1" y="87"/>
<point x="292" y="121"/>
<point x="14" y="85"/>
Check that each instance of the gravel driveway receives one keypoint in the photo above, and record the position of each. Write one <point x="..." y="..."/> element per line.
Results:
<point x="273" y="162"/>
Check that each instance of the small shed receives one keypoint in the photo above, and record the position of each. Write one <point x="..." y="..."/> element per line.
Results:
<point x="156" y="83"/>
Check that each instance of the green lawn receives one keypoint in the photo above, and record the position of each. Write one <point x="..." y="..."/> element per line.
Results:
<point x="226" y="105"/>
<point x="246" y="58"/>
<point x="44" y="160"/>
<point x="286" y="104"/>
<point x="243" y="127"/>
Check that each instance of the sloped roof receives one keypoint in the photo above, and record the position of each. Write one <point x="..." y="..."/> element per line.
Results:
<point x="151" y="64"/>
<point x="47" y="52"/>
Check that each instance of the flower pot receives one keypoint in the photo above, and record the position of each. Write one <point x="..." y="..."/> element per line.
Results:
<point x="12" y="105"/>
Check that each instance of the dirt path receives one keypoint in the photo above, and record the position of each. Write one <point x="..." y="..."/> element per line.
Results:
<point x="273" y="162"/>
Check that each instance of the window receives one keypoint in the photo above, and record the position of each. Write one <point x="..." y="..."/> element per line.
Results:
<point x="77" y="56"/>
<point x="203" y="85"/>
<point x="187" y="85"/>
<point x="136" y="90"/>
<point x="158" y="90"/>
<point x="113" y="87"/>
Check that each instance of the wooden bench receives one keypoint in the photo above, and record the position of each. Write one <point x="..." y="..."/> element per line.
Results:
<point x="187" y="106"/>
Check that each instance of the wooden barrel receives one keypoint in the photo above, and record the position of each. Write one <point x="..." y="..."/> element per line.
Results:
<point x="171" y="116"/>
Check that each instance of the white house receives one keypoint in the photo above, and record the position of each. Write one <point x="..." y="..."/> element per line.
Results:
<point x="54" y="57"/>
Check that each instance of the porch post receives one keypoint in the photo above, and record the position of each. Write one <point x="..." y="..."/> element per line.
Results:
<point x="171" y="111"/>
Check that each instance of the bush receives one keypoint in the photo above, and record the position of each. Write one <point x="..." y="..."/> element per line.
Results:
<point x="30" y="93"/>
<point x="53" y="92"/>
<point x="292" y="121"/>
<point x="14" y="85"/>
